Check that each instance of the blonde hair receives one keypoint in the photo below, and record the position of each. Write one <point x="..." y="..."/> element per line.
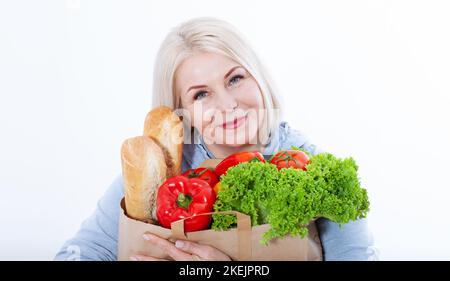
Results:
<point x="214" y="36"/>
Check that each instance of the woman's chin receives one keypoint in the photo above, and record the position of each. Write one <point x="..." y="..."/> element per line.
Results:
<point x="238" y="141"/>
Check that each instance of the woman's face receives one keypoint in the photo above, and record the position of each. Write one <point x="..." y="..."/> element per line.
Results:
<point x="223" y="100"/>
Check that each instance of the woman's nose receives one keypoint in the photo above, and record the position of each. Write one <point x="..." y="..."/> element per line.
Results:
<point x="225" y="101"/>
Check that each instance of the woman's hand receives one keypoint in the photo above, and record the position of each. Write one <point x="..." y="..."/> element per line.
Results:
<point x="182" y="250"/>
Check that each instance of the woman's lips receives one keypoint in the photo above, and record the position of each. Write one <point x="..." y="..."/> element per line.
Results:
<point x="234" y="124"/>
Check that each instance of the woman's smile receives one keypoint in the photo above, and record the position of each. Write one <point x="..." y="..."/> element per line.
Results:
<point x="236" y="123"/>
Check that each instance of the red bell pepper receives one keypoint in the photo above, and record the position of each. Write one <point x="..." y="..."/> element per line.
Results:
<point x="180" y="197"/>
<point x="202" y="173"/>
<point x="237" y="158"/>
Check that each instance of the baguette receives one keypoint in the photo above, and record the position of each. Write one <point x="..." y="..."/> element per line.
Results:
<point x="166" y="128"/>
<point x="144" y="169"/>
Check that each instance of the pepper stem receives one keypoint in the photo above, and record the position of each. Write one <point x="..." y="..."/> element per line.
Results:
<point x="184" y="200"/>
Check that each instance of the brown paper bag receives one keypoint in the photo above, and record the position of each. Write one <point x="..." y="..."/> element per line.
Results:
<point x="241" y="243"/>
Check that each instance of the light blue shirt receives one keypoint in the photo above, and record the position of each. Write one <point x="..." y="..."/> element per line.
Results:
<point x="97" y="237"/>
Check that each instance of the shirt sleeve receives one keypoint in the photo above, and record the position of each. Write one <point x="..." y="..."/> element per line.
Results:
<point x="293" y="137"/>
<point x="350" y="242"/>
<point x="96" y="240"/>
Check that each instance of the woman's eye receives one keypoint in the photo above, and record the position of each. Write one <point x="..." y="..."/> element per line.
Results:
<point x="200" y="95"/>
<point x="235" y="79"/>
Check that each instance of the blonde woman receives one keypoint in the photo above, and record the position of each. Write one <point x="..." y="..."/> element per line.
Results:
<point x="206" y="69"/>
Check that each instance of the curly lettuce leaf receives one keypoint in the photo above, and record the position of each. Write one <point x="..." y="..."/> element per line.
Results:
<point x="290" y="199"/>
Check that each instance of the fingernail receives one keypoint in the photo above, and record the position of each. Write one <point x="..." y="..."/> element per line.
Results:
<point x="134" y="259"/>
<point x="147" y="237"/>
<point x="179" y="244"/>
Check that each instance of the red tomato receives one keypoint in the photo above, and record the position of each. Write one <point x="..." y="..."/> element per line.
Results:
<point x="290" y="159"/>
<point x="202" y="173"/>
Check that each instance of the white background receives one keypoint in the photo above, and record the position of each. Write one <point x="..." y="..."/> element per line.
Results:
<point x="368" y="79"/>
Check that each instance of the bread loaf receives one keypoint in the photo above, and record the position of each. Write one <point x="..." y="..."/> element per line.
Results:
<point x="144" y="169"/>
<point x="166" y="128"/>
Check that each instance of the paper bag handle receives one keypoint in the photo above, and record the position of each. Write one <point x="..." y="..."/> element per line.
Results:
<point x="244" y="228"/>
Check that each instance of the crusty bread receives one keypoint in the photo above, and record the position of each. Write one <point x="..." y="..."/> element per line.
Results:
<point x="144" y="170"/>
<point x="166" y="128"/>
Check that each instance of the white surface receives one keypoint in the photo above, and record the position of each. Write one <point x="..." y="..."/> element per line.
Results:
<point x="363" y="79"/>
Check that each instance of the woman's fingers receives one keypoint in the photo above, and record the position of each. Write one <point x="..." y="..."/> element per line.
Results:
<point x="185" y="250"/>
<point x="204" y="252"/>
<point x="193" y="248"/>
<point x="145" y="258"/>
<point x="168" y="247"/>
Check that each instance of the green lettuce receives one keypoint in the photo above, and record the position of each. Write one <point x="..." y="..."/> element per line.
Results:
<point x="289" y="199"/>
